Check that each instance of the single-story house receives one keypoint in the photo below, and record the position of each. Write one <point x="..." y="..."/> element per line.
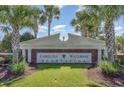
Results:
<point x="76" y="49"/>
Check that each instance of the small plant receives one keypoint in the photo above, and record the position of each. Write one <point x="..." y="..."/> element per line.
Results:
<point x="110" y="68"/>
<point x="9" y="59"/>
<point x="121" y="59"/>
<point x="18" y="68"/>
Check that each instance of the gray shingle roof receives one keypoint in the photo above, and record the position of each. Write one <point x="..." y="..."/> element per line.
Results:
<point x="54" y="41"/>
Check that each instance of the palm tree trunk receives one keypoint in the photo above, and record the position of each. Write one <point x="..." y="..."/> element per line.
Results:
<point x="110" y="40"/>
<point x="49" y="26"/>
<point x="123" y="46"/>
<point x="36" y="29"/>
<point x="35" y="34"/>
<point x="15" y="45"/>
<point x="84" y="31"/>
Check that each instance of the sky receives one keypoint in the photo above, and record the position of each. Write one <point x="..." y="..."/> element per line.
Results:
<point x="63" y="26"/>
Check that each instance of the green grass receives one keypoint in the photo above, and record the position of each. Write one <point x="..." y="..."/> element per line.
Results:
<point x="61" y="75"/>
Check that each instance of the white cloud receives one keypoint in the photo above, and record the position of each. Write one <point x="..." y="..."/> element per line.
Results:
<point x="72" y="31"/>
<point x="118" y="28"/>
<point x="59" y="28"/>
<point x="119" y="33"/>
<point x="3" y="25"/>
<point x="80" y="7"/>
<point x="42" y="28"/>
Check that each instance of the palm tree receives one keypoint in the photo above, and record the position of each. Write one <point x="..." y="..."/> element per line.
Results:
<point x="6" y="43"/>
<point x="81" y="23"/>
<point x="49" y="12"/>
<point x="108" y="14"/>
<point x="16" y="18"/>
<point x="35" y="20"/>
<point x="87" y="23"/>
<point x="120" y="43"/>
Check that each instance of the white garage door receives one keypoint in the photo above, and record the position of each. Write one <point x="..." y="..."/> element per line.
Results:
<point x="64" y="58"/>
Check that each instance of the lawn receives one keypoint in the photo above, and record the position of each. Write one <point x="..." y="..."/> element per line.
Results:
<point x="61" y="75"/>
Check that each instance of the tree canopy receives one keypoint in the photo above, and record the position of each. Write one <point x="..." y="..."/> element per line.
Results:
<point x="49" y="12"/>
<point x="16" y="18"/>
<point x="6" y="46"/>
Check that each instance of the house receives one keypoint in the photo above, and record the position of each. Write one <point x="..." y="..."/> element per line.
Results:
<point x="51" y="49"/>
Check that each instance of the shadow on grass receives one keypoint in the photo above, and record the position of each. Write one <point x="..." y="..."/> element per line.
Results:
<point x="57" y="66"/>
<point x="93" y="85"/>
<point x="7" y="83"/>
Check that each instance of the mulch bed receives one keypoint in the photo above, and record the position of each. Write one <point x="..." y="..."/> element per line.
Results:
<point x="6" y="75"/>
<point x="96" y="75"/>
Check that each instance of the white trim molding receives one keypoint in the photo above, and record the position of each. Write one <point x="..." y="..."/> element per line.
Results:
<point x="6" y="54"/>
<point x="24" y="53"/>
<point x="29" y="55"/>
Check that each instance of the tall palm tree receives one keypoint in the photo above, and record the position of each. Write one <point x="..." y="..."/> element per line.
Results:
<point x="108" y="14"/>
<point x="16" y="18"/>
<point x="35" y="20"/>
<point x="87" y="23"/>
<point x="49" y="12"/>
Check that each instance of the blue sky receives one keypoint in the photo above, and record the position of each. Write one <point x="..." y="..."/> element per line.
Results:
<point x="63" y="26"/>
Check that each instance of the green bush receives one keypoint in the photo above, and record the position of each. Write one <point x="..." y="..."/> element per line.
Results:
<point x="18" y="68"/>
<point x="9" y="59"/>
<point x="120" y="59"/>
<point x="21" y="58"/>
<point x="110" y="68"/>
<point x="1" y="60"/>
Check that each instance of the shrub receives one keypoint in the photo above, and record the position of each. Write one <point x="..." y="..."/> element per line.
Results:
<point x="18" y="68"/>
<point x="120" y="59"/>
<point x="9" y="59"/>
<point x="110" y="68"/>
<point x="1" y="60"/>
<point x="21" y="58"/>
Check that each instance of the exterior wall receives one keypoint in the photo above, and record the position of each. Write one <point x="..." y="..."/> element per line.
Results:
<point x="92" y="51"/>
